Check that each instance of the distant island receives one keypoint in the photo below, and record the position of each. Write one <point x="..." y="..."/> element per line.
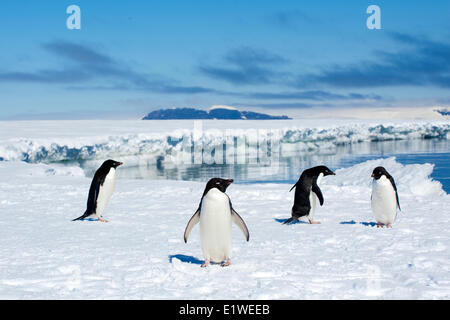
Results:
<point x="216" y="112"/>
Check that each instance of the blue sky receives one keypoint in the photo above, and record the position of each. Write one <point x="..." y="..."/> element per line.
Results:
<point x="131" y="57"/>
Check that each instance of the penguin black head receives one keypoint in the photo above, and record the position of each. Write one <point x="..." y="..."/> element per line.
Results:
<point x="321" y="169"/>
<point x="378" y="172"/>
<point x="221" y="184"/>
<point x="111" y="164"/>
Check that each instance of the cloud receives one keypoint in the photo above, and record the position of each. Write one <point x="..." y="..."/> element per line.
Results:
<point x="46" y="76"/>
<point x="250" y="56"/>
<point x="247" y="66"/>
<point x="293" y="105"/>
<point x="245" y="76"/>
<point x="77" y="53"/>
<point x="85" y="68"/>
<point x="84" y="65"/>
<point x="421" y="63"/>
<point x="154" y="86"/>
<point x="306" y="105"/>
<point x="288" y="19"/>
<point x="317" y="95"/>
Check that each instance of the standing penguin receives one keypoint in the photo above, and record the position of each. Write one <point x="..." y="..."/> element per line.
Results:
<point x="384" y="200"/>
<point x="101" y="190"/>
<point x="307" y="192"/>
<point x="215" y="214"/>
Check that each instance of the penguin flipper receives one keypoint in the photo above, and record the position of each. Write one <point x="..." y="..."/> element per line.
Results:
<point x="398" y="203"/>
<point x="240" y="223"/>
<point x="391" y="179"/>
<point x="94" y="190"/>
<point x="192" y="222"/>
<point x="316" y="190"/>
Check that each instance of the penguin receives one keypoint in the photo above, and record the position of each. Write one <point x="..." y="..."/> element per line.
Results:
<point x="307" y="193"/>
<point x="101" y="190"/>
<point x="384" y="199"/>
<point x="216" y="214"/>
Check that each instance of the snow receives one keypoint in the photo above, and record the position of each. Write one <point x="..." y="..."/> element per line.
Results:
<point x="222" y="107"/>
<point x="140" y="253"/>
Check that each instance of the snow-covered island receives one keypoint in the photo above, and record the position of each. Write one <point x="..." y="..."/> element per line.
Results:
<point x="215" y="112"/>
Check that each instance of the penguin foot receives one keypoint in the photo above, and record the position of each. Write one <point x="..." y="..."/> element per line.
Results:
<point x="102" y="220"/>
<point x="380" y="225"/>
<point x="389" y="225"/>
<point x="314" y="222"/>
<point x="227" y="263"/>
<point x="205" y="264"/>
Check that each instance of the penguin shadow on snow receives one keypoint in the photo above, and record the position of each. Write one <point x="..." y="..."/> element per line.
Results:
<point x="190" y="259"/>
<point x="186" y="259"/>
<point x="293" y="222"/>
<point x="367" y="224"/>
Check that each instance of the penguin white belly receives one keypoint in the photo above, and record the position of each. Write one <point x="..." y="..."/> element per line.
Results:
<point x="105" y="192"/>
<point x="384" y="203"/>
<point x="313" y="201"/>
<point x="215" y="226"/>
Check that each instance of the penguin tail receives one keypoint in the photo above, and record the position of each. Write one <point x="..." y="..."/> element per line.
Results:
<point x="81" y="217"/>
<point x="290" y="220"/>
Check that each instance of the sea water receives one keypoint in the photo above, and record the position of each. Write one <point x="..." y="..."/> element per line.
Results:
<point x="288" y="167"/>
<point x="157" y="149"/>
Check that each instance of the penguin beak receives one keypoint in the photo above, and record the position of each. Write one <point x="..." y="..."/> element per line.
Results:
<point x="230" y="181"/>
<point x="332" y="173"/>
<point x="373" y="175"/>
<point x="119" y="163"/>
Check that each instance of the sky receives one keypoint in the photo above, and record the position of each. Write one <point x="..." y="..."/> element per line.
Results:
<point x="132" y="57"/>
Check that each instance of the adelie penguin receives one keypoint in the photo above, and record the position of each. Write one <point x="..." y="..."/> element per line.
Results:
<point x="216" y="214"/>
<point x="384" y="200"/>
<point x="307" y="193"/>
<point x="101" y="190"/>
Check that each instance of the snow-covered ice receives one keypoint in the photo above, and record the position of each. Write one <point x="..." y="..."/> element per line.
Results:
<point x="50" y="141"/>
<point x="140" y="253"/>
